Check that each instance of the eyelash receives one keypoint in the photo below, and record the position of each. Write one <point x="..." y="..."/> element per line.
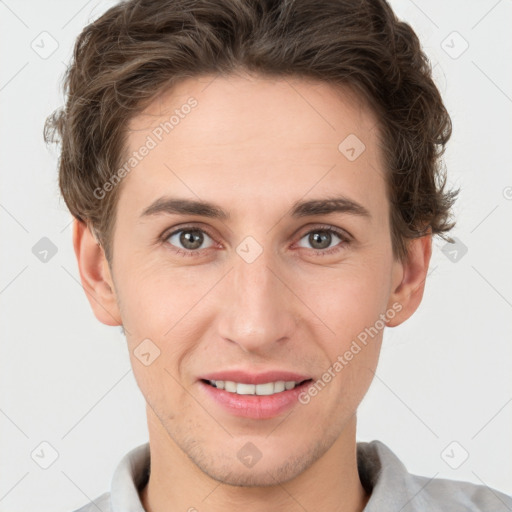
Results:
<point x="345" y="240"/>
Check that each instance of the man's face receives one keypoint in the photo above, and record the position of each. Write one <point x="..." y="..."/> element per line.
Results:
<point x="261" y="290"/>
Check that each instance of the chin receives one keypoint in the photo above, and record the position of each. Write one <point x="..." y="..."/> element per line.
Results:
<point x="262" y="477"/>
<point x="264" y="473"/>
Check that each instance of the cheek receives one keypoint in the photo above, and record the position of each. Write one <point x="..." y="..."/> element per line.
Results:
<point x="349" y="302"/>
<point x="159" y="384"/>
<point x="164" y="306"/>
<point x="154" y="296"/>
<point x="347" y="299"/>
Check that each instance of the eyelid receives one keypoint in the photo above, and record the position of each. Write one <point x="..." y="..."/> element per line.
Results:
<point x="342" y="233"/>
<point x="176" y="229"/>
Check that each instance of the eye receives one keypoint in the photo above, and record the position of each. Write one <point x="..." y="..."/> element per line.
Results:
<point x="322" y="238"/>
<point x="191" y="240"/>
<point x="188" y="240"/>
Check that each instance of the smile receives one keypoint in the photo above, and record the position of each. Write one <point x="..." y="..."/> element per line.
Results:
<point x="265" y="389"/>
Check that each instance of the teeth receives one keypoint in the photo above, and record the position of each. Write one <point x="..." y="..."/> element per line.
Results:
<point x="281" y="385"/>
<point x="266" y="389"/>
<point x="245" y="389"/>
<point x="229" y="386"/>
<point x="269" y="388"/>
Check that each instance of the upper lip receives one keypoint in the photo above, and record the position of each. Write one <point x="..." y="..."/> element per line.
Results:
<point x="246" y="377"/>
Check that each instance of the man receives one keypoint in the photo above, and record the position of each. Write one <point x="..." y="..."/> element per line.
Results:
<point x="255" y="188"/>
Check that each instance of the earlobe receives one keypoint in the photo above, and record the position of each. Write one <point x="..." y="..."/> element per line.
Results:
<point x="409" y="280"/>
<point x="95" y="275"/>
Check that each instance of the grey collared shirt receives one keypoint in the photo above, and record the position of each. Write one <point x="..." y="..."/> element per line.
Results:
<point x="392" y="487"/>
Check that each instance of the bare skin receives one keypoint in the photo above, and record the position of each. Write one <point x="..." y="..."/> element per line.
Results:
<point x="254" y="147"/>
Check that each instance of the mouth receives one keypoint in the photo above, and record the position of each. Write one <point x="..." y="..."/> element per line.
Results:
<point x="265" y="400"/>
<point x="263" y="389"/>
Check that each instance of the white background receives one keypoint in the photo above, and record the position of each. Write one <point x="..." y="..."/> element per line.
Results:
<point x="444" y="376"/>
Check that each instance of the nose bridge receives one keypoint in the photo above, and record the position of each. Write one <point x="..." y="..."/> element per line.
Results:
<point x="254" y="282"/>
<point x="259" y="309"/>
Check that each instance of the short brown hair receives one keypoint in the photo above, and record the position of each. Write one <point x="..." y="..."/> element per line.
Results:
<point x="140" y="48"/>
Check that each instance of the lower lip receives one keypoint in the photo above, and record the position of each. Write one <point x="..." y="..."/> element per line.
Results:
<point x="255" y="406"/>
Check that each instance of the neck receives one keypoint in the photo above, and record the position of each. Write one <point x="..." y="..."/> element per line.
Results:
<point x="176" y="483"/>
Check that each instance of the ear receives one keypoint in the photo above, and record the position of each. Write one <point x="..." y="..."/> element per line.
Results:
<point x="95" y="275"/>
<point x="409" y="279"/>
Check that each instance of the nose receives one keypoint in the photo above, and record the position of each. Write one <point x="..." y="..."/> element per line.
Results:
<point x="259" y="310"/>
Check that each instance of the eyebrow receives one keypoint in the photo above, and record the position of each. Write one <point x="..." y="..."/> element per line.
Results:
<point x="170" y="205"/>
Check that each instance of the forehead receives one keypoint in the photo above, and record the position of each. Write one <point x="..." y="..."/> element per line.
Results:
<point x="227" y="138"/>
<point x="239" y="106"/>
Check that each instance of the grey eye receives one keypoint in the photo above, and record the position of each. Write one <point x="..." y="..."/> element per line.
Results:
<point x="320" y="239"/>
<point x="190" y="239"/>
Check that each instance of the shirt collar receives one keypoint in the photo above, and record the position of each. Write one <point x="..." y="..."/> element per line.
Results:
<point x="130" y="476"/>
